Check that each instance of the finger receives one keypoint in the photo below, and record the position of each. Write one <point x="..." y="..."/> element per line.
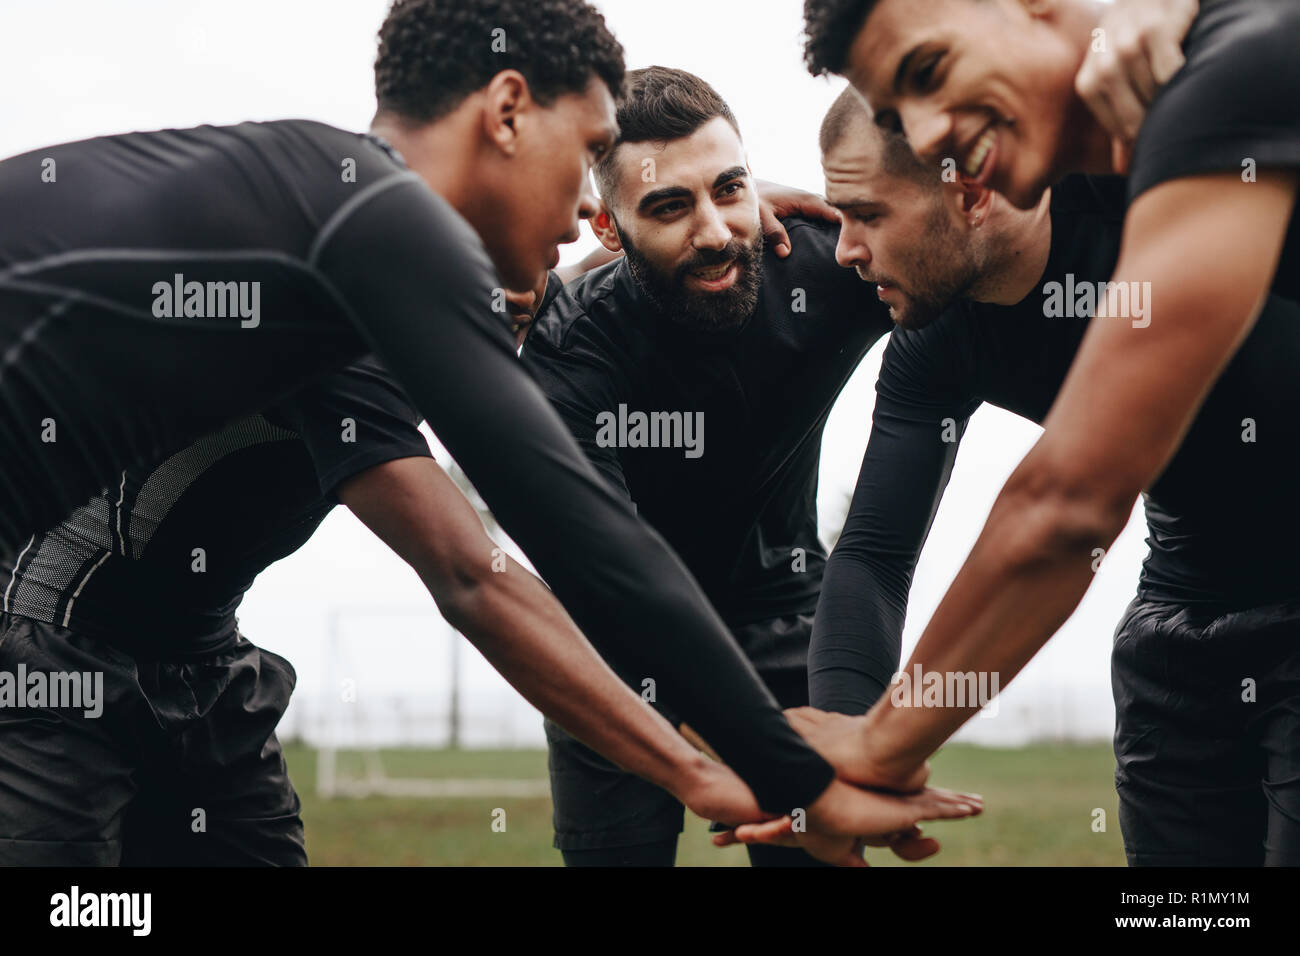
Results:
<point x="958" y="795"/>
<point x="1125" y="107"/>
<point x="1103" y="85"/>
<point x="932" y="806"/>
<point x="774" y="232"/>
<point x="725" y="838"/>
<point x="814" y="207"/>
<point x="915" y="848"/>
<point x="765" y="832"/>
<point x="889" y="839"/>
<point x="781" y="839"/>
<point x="1091" y="87"/>
<point x="1166" y="60"/>
<point x="1135" y="62"/>
<point x="875" y="814"/>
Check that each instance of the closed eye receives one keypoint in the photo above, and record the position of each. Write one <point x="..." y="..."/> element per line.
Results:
<point x="923" y="75"/>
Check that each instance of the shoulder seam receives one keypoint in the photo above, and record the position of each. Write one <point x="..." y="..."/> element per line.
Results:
<point x="340" y="215"/>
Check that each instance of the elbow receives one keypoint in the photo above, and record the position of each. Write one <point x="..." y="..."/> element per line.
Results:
<point x="1053" y="514"/>
<point x="458" y="578"/>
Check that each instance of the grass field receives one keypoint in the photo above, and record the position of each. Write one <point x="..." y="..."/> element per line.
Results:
<point x="1040" y="805"/>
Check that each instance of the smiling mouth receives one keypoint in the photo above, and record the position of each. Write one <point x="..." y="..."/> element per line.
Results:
<point x="713" y="273"/>
<point x="973" y="166"/>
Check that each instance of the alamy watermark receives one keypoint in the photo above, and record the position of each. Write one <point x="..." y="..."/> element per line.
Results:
<point x="208" y="300"/>
<point x="1084" y="300"/>
<point x="76" y="909"/>
<point x="58" y="690"/>
<point x="922" y="688"/>
<point x="624" y="429"/>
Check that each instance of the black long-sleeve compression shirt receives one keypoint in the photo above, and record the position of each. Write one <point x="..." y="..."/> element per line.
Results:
<point x="166" y="283"/>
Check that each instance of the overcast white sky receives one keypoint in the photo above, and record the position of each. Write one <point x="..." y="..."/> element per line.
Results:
<point x="71" y="69"/>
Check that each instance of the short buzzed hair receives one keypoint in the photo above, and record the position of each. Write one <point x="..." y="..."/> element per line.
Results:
<point x="660" y="104"/>
<point x="848" y="113"/>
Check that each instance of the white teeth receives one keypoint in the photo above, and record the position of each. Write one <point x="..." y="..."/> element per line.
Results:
<point x="717" y="272"/>
<point x="975" y="160"/>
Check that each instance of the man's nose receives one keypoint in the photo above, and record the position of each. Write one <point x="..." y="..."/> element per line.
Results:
<point x="588" y="202"/>
<point x="849" y="251"/>
<point x="712" y="231"/>
<point x="928" y="130"/>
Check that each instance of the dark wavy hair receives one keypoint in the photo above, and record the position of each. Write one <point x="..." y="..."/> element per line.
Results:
<point x="830" y="27"/>
<point x="661" y="104"/>
<point x="434" y="53"/>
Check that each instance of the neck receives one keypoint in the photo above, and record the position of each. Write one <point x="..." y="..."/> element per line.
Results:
<point x="436" y="152"/>
<point x="1019" y="243"/>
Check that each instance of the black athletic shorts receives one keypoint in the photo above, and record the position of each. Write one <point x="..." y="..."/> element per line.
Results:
<point x="173" y="763"/>
<point x="598" y="806"/>
<point x="1207" y="735"/>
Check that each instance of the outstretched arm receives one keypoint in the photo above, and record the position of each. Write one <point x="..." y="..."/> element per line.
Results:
<point x="428" y="314"/>
<point x="509" y="615"/>
<point x="1202" y="252"/>
<point x="858" y="629"/>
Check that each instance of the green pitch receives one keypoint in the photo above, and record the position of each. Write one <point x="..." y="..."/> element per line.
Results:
<point x="1041" y="803"/>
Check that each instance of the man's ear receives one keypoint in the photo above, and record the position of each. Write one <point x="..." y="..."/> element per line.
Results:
<point x="602" y="224"/>
<point x="974" y="202"/>
<point x="506" y="99"/>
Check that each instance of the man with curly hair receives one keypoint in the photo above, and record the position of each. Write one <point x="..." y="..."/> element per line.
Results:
<point x="164" y="285"/>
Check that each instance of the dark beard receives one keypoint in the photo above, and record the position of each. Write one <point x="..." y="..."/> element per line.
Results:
<point x="942" y="272"/>
<point x="702" y="311"/>
<point x="926" y="307"/>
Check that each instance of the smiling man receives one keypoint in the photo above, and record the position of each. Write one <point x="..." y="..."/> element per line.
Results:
<point x="1206" y="775"/>
<point x="700" y="321"/>
<point x="987" y="87"/>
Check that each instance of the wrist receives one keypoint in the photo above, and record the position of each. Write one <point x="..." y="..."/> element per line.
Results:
<point x="884" y="731"/>
<point x="691" y="773"/>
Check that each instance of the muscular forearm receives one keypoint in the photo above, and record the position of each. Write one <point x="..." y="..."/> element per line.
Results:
<point x="1026" y="574"/>
<point x="524" y="633"/>
<point x="1205" y="249"/>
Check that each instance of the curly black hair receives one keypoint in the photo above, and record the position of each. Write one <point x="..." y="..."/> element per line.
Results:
<point x="434" y="53"/>
<point x="830" y="27"/>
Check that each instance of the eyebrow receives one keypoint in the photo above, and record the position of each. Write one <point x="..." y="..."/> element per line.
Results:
<point x="854" y="203"/>
<point x="727" y="175"/>
<point x="659" y="195"/>
<point x="681" y="192"/>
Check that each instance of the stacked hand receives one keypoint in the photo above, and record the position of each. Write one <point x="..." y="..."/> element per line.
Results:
<point x="845" y="818"/>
